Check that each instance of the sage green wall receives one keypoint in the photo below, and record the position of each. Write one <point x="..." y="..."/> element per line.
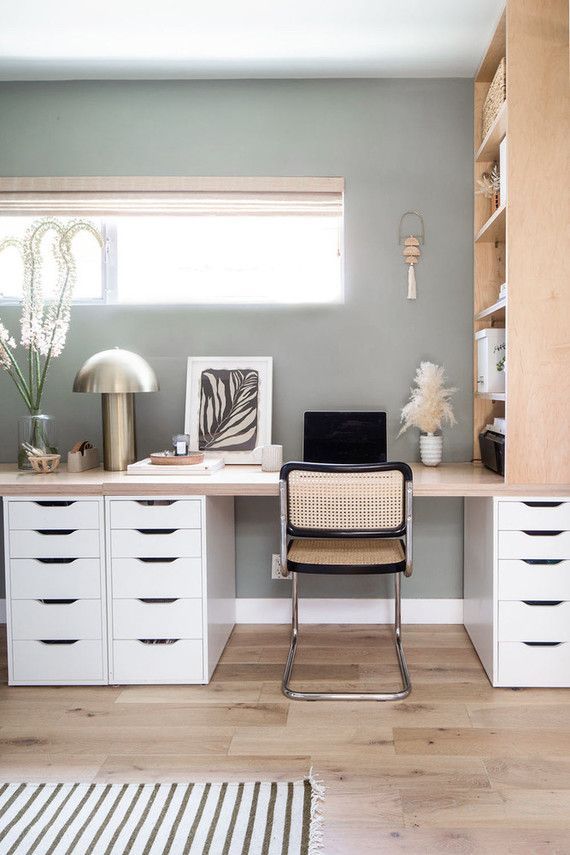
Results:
<point x="400" y="144"/>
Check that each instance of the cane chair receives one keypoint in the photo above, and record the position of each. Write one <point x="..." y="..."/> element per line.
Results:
<point x="338" y="519"/>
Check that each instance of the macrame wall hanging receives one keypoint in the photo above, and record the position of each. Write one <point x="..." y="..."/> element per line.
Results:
<point x="411" y="235"/>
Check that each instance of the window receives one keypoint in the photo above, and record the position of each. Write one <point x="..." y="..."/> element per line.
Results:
<point x="266" y="241"/>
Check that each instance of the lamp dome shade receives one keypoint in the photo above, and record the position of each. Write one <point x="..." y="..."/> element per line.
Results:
<point x="115" y="371"/>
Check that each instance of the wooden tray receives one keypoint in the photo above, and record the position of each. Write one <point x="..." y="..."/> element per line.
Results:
<point x="178" y="460"/>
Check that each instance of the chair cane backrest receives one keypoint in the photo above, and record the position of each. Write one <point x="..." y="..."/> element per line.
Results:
<point x="346" y="499"/>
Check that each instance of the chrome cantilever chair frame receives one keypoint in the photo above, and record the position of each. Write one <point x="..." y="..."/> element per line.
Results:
<point x="403" y="531"/>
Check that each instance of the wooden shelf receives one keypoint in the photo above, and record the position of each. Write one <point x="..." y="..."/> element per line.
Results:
<point x="492" y="396"/>
<point x="489" y="149"/>
<point x="494" y="229"/>
<point x="496" y="309"/>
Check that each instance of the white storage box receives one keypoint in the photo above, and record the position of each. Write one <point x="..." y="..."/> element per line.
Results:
<point x="489" y="379"/>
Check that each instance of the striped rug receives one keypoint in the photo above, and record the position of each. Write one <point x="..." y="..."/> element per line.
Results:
<point x="160" y="819"/>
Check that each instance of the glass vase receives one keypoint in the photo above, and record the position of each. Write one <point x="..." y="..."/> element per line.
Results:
<point x="37" y="430"/>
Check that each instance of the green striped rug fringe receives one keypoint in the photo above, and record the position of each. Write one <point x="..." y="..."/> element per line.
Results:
<point x="257" y="818"/>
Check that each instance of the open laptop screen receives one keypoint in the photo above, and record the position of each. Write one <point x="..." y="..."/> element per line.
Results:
<point x="344" y="437"/>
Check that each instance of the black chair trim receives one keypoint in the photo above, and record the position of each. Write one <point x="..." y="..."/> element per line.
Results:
<point x="347" y="569"/>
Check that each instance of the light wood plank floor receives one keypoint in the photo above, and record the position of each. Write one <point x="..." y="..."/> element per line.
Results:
<point x="457" y="768"/>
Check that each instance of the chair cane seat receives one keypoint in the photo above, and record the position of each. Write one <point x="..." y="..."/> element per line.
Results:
<point x="343" y="555"/>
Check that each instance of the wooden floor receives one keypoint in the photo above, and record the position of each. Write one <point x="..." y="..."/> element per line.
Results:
<point x="457" y="768"/>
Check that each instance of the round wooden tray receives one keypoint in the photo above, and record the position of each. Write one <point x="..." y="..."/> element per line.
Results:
<point x="177" y="460"/>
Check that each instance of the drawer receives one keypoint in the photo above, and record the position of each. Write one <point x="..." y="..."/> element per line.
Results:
<point x="157" y="577"/>
<point x="137" y="662"/>
<point x="155" y="513"/>
<point x="163" y="543"/>
<point x="534" y="665"/>
<point x="34" y="578"/>
<point x="536" y="620"/>
<point x="51" y="543"/>
<point x="76" y="662"/>
<point x="534" y="514"/>
<point x="534" y="544"/>
<point x="534" y="579"/>
<point x="56" y="620"/>
<point x="52" y="513"/>
<point x="143" y="619"/>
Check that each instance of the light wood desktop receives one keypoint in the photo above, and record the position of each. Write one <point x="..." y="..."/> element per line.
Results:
<point x="449" y="479"/>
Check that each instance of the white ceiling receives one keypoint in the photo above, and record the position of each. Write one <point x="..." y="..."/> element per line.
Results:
<point x="133" y="39"/>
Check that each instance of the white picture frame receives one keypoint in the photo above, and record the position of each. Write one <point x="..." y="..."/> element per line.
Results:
<point x="210" y="382"/>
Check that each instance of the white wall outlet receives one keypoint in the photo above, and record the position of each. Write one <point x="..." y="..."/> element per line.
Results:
<point x="276" y="567"/>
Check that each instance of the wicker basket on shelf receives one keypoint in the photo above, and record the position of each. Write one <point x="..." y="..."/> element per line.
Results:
<point x="495" y="97"/>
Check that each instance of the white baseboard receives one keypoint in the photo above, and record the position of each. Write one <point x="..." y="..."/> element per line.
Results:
<point x="319" y="610"/>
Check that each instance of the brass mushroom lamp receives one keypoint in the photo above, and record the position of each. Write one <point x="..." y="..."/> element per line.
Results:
<point x="116" y="375"/>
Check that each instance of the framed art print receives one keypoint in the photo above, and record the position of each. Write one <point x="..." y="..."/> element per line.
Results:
<point x="228" y="406"/>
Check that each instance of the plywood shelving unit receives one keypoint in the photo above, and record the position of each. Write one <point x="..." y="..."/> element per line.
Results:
<point x="490" y="230"/>
<point x="515" y="244"/>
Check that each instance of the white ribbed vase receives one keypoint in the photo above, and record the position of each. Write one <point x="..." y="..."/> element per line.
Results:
<point x="431" y="449"/>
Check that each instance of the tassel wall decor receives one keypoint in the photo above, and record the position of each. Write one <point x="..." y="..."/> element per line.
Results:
<point x="411" y="253"/>
<point x="411" y="246"/>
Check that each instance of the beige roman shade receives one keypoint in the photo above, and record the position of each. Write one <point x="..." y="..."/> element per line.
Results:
<point x="154" y="196"/>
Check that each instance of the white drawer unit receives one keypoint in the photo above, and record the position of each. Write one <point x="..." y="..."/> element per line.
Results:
<point x="171" y="581"/>
<point x="517" y="588"/>
<point x="541" y="514"/>
<point x="55" y="590"/>
<point x="534" y="620"/>
<point x="55" y="543"/>
<point x="534" y="579"/>
<point x="178" y="661"/>
<point x="56" y="619"/>
<point x="137" y="589"/>
<point x="534" y="543"/>
<point x="156" y="577"/>
<point x="55" y="578"/>
<point x="543" y="665"/>
<point x="156" y="543"/>
<point x="58" y="662"/>
<point x="55" y="514"/>
<point x="155" y="513"/>
<point x="157" y="618"/>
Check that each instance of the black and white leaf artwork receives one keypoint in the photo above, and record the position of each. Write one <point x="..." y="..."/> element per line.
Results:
<point x="228" y="409"/>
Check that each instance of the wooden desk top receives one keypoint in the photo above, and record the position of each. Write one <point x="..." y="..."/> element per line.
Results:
<point x="449" y="479"/>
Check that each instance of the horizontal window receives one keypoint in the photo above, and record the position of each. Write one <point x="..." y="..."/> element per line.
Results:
<point x="207" y="246"/>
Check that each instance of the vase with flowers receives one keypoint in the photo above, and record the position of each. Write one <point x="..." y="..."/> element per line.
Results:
<point x="428" y="409"/>
<point x="44" y="324"/>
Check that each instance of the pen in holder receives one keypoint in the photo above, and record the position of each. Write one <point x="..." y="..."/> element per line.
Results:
<point x="82" y="457"/>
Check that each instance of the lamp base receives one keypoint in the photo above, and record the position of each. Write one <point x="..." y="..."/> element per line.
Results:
<point x="119" y="440"/>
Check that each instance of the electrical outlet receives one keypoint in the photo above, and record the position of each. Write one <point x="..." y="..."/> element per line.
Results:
<point x="276" y="567"/>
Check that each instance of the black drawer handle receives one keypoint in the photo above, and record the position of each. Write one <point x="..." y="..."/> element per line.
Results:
<point x="158" y="640"/>
<point x="58" y="641"/>
<point x="57" y="602"/>
<point x="542" y="602"/>
<point x="543" y="643"/>
<point x="542" y="533"/>
<point x="53" y="531"/>
<point x="156" y="503"/>
<point x="157" y="560"/>
<point x="543" y="504"/>
<point x="56" y="560"/>
<point x="156" y="530"/>
<point x="54" y="504"/>
<point x="542" y="561"/>
<point x="158" y="599"/>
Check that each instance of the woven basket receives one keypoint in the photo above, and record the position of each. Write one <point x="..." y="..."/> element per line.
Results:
<point x="495" y="96"/>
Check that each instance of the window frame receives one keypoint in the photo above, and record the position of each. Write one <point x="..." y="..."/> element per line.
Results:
<point x="49" y="194"/>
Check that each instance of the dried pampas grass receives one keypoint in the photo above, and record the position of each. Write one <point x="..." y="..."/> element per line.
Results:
<point x="429" y="406"/>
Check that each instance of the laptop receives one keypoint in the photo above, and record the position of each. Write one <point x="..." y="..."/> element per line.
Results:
<point x="344" y="437"/>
